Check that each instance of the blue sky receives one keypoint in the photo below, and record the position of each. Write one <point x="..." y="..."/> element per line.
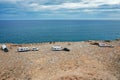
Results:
<point x="59" y="9"/>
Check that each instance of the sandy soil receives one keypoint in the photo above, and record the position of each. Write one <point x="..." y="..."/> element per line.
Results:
<point x="84" y="62"/>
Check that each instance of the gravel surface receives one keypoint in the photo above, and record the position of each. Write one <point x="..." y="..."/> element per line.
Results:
<point x="84" y="61"/>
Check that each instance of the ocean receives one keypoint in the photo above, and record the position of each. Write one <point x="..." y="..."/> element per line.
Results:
<point x="35" y="31"/>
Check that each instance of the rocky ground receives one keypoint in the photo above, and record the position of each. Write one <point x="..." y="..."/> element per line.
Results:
<point x="85" y="61"/>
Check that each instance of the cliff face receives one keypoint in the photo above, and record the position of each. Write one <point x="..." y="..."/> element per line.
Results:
<point x="84" y="62"/>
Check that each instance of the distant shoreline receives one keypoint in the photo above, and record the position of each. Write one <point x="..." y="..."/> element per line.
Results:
<point x="52" y="42"/>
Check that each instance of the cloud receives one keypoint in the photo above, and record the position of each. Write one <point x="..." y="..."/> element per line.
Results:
<point x="38" y="5"/>
<point x="84" y="4"/>
<point x="55" y="7"/>
<point x="68" y="2"/>
<point x="10" y="1"/>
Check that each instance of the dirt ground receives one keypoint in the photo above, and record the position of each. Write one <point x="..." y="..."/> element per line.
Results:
<point x="84" y="61"/>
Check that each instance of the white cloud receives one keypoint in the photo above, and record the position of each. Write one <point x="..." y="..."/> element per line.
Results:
<point x="87" y="5"/>
<point x="37" y="7"/>
<point x="72" y="5"/>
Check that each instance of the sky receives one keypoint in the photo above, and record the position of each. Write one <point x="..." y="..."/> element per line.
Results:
<point x="59" y="9"/>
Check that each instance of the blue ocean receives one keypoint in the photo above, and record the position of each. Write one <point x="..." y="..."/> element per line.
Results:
<point x="35" y="31"/>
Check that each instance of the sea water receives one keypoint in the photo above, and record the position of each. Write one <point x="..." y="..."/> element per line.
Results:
<point x="35" y="31"/>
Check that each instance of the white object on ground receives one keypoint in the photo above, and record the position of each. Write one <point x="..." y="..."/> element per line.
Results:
<point x="4" y="46"/>
<point x="56" y="48"/>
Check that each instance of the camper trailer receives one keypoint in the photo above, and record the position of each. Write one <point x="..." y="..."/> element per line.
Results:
<point x="4" y="48"/>
<point x="23" y="49"/>
<point x="56" y="48"/>
<point x="104" y="45"/>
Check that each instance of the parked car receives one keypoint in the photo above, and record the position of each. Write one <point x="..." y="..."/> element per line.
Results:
<point x="35" y="49"/>
<point x="66" y="49"/>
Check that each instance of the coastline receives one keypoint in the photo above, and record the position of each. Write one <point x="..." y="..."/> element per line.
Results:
<point x="84" y="61"/>
<point x="118" y="39"/>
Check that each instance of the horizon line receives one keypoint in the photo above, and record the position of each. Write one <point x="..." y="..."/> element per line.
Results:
<point x="67" y="19"/>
